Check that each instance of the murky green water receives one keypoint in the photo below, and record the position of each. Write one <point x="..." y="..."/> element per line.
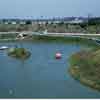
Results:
<point x="41" y="76"/>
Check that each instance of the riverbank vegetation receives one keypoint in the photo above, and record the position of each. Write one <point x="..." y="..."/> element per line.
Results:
<point x="45" y="38"/>
<point x="19" y="53"/>
<point x="59" y="39"/>
<point x="85" y="67"/>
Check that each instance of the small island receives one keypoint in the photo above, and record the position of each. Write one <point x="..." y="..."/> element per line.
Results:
<point x="19" y="53"/>
<point x="85" y="67"/>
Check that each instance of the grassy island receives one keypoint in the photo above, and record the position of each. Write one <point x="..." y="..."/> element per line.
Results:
<point x="20" y="53"/>
<point x="85" y="67"/>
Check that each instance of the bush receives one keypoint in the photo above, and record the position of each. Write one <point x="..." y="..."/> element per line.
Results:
<point x="20" y="53"/>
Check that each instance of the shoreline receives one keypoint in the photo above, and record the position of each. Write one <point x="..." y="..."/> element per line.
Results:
<point x="84" y="81"/>
<point x="84" y="69"/>
<point x="57" y="37"/>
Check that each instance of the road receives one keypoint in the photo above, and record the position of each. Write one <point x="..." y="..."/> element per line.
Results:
<point x="54" y="34"/>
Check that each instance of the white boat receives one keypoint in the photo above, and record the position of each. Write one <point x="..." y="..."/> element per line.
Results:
<point x="3" y="47"/>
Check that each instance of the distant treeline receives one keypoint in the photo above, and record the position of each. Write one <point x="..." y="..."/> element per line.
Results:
<point x="89" y="22"/>
<point x="94" y="21"/>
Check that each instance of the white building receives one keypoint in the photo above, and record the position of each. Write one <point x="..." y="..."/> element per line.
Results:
<point x="13" y="22"/>
<point x="76" y="21"/>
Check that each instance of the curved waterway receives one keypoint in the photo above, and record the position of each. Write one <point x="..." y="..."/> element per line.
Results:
<point x="41" y="76"/>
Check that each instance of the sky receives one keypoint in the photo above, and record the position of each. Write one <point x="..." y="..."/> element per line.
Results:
<point x="48" y="8"/>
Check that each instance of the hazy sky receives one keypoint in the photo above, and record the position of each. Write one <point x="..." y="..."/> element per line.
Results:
<point x="37" y="8"/>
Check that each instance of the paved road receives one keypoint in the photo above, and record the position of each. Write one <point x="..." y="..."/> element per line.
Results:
<point x="59" y="34"/>
<point x="73" y="34"/>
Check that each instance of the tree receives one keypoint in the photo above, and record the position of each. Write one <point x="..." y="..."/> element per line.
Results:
<point x="28" y="22"/>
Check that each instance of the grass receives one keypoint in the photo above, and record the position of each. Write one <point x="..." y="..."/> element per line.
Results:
<point x="85" y="67"/>
<point x="8" y="36"/>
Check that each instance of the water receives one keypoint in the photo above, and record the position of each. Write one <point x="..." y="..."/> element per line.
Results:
<point x="41" y="76"/>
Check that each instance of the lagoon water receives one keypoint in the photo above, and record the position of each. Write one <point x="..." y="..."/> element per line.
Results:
<point x="41" y="76"/>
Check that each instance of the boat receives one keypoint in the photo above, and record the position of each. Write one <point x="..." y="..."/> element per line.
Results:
<point x="58" y="55"/>
<point x="3" y="47"/>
